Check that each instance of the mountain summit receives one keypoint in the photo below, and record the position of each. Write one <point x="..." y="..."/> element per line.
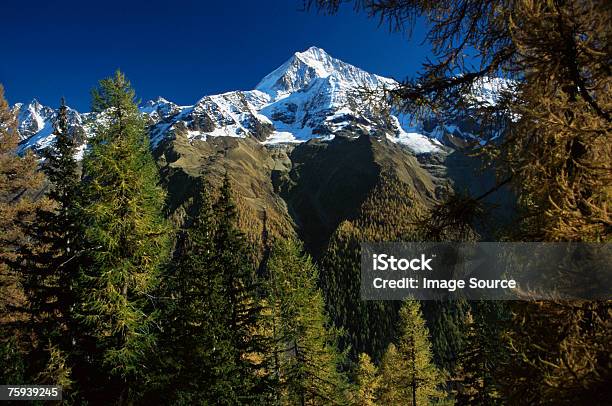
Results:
<point x="311" y="95"/>
<point x="303" y="68"/>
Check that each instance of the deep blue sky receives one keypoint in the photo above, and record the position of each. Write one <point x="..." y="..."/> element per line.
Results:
<point x="180" y="50"/>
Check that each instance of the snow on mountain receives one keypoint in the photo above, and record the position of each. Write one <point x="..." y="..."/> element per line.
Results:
<point x="488" y="91"/>
<point x="36" y="124"/>
<point x="34" y="118"/>
<point x="311" y="95"/>
<point x="160" y="109"/>
<point x="303" y="68"/>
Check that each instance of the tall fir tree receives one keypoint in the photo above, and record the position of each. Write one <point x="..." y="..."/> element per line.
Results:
<point x="126" y="236"/>
<point x="474" y="379"/>
<point x="196" y="347"/>
<point x="408" y="372"/>
<point x="245" y="377"/>
<point x="306" y="359"/>
<point x="49" y="266"/>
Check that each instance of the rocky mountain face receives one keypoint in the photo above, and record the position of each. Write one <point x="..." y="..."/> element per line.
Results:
<point x="304" y="148"/>
<point x="311" y="95"/>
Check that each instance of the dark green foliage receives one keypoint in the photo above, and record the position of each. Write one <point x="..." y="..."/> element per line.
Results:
<point x="482" y="356"/>
<point x="305" y="358"/>
<point x="49" y="264"/>
<point x="12" y="361"/>
<point x="210" y="349"/>
<point x="126" y="239"/>
<point x="447" y="324"/>
<point x="387" y="214"/>
<point x="192" y="343"/>
<point x="207" y="347"/>
<point x="243" y="308"/>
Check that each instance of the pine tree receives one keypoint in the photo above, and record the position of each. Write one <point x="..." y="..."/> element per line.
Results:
<point x="306" y="358"/>
<point x="196" y="349"/>
<point x="62" y="224"/>
<point x="245" y="380"/>
<point x="367" y="382"/>
<point x="408" y="372"/>
<point x="477" y="363"/>
<point x="49" y="264"/>
<point x="126" y="237"/>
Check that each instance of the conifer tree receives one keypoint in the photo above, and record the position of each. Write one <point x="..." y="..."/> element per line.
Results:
<point x="408" y="372"/>
<point x="393" y="389"/>
<point x="367" y="382"/>
<point x="127" y="241"/>
<point x="474" y="377"/>
<point x="306" y="358"/>
<point x="49" y="264"/>
<point x="196" y="349"/>
<point x="245" y="380"/>
<point x="20" y="182"/>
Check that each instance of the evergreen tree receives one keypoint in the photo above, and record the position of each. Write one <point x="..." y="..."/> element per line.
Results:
<point x="408" y="372"/>
<point x="49" y="265"/>
<point x="244" y="378"/>
<point x="20" y="182"/>
<point x="196" y="349"/>
<point x="474" y="379"/>
<point x="306" y="360"/>
<point x="126" y="236"/>
<point x="367" y="382"/>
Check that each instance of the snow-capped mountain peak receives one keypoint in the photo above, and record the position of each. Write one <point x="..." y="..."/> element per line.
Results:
<point x="311" y="95"/>
<point x="34" y="118"/>
<point x="319" y="60"/>
<point x="160" y="108"/>
<point x="303" y="68"/>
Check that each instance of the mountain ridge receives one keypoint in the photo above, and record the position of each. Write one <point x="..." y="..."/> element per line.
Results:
<point x="311" y="95"/>
<point x="304" y="149"/>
